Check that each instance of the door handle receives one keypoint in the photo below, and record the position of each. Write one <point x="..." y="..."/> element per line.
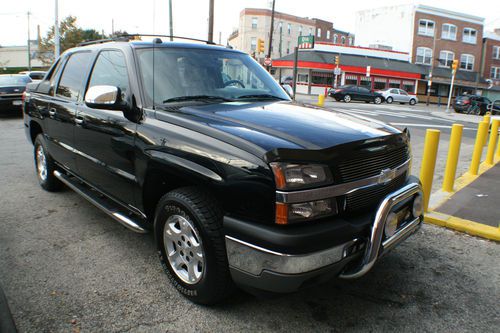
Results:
<point x="52" y="112"/>
<point x="79" y="120"/>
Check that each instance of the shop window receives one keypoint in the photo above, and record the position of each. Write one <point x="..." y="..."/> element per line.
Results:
<point x="323" y="78"/>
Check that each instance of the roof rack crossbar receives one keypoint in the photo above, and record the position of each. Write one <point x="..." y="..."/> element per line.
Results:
<point x="128" y="37"/>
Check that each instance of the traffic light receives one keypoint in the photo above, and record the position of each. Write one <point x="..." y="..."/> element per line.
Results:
<point x="454" y="64"/>
<point x="337" y="60"/>
<point x="260" y="45"/>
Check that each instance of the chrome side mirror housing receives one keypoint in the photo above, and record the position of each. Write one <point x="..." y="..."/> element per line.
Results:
<point x="288" y="89"/>
<point x="103" y="97"/>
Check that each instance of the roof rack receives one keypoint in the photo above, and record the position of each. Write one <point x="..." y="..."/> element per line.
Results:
<point x="128" y="37"/>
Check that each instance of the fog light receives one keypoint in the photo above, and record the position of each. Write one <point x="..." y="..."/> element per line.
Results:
<point x="391" y="224"/>
<point x="417" y="208"/>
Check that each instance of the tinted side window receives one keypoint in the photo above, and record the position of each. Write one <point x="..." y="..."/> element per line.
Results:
<point x="111" y="69"/>
<point x="363" y="90"/>
<point x="394" y="91"/>
<point x="73" y="76"/>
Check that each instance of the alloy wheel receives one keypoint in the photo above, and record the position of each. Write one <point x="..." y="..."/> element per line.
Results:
<point x="41" y="163"/>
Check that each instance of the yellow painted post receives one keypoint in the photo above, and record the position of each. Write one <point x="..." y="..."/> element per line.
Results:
<point x="493" y="141"/>
<point x="486" y="119"/>
<point x="429" y="163"/>
<point x="482" y="130"/>
<point x="321" y="100"/>
<point x="452" y="161"/>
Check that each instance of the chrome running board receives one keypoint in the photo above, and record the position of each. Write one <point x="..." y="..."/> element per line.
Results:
<point x="124" y="217"/>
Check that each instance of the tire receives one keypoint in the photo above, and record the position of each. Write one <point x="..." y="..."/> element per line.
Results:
<point x="413" y="101"/>
<point x="377" y="100"/>
<point x="209" y="281"/>
<point x="45" y="166"/>
<point x="389" y="100"/>
<point x="367" y="102"/>
<point x="347" y="98"/>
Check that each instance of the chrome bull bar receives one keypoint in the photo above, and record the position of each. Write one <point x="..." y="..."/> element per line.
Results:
<point x="375" y="243"/>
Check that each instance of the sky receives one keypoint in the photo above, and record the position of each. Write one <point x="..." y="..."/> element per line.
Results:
<point x="191" y="16"/>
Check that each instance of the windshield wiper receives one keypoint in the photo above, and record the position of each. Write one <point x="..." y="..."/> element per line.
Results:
<point x="196" y="98"/>
<point x="260" y="96"/>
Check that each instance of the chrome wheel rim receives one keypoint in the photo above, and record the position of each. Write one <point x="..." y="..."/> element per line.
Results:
<point x="377" y="100"/>
<point x="184" y="249"/>
<point x="347" y="98"/>
<point x="41" y="163"/>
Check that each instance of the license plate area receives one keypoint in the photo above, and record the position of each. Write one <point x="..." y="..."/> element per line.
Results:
<point x="17" y="103"/>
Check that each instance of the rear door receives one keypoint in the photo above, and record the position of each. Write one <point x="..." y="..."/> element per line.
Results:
<point x="63" y="106"/>
<point x="364" y="94"/>
<point x="104" y="139"/>
<point x="404" y="97"/>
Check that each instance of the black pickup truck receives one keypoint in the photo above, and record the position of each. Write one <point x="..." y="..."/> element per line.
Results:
<point x="240" y="185"/>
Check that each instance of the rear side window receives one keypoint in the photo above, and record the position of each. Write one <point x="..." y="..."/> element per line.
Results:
<point x="394" y="91"/>
<point x="73" y="76"/>
<point x="110" y="69"/>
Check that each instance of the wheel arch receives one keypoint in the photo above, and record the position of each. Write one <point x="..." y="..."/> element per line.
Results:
<point x="35" y="129"/>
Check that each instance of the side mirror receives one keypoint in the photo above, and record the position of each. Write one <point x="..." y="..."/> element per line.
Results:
<point x="288" y="89"/>
<point x="103" y="97"/>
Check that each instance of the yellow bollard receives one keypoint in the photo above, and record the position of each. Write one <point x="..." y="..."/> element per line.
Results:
<point x="453" y="153"/>
<point x="487" y="118"/>
<point x="429" y="163"/>
<point x="321" y="100"/>
<point x="493" y="142"/>
<point x="482" y="130"/>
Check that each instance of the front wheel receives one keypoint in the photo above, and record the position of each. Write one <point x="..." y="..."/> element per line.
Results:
<point x="191" y="245"/>
<point x="413" y="101"/>
<point x="389" y="100"/>
<point x="45" y="166"/>
<point x="347" y="98"/>
<point x="377" y="100"/>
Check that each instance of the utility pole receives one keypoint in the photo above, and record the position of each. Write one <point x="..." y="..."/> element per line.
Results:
<point x="29" y="46"/>
<point x="171" y="20"/>
<point x="211" y="21"/>
<point x="57" y="47"/>
<point x="112" y="27"/>
<point x="271" y="36"/>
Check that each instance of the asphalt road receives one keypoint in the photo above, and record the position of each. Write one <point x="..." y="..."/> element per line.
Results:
<point x="67" y="267"/>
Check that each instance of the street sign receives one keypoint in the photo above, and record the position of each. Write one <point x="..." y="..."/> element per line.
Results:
<point x="268" y="62"/>
<point x="368" y="68"/>
<point x="306" y="42"/>
<point x="337" y="71"/>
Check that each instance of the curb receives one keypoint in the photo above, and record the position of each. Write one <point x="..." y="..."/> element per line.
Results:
<point x="458" y="224"/>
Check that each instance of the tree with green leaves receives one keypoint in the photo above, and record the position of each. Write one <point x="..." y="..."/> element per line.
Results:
<point x="70" y="36"/>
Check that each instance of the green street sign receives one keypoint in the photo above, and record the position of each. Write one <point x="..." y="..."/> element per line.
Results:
<point x="306" y="42"/>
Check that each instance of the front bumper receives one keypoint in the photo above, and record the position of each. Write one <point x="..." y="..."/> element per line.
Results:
<point x="257" y="267"/>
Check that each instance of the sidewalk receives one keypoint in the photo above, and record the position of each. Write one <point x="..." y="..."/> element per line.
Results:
<point x="473" y="209"/>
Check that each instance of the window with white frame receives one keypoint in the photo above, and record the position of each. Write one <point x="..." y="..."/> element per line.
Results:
<point x="335" y="39"/>
<point x="253" y="44"/>
<point x="255" y="20"/>
<point x="424" y="56"/>
<point x="449" y="31"/>
<point x="318" y="33"/>
<point x="328" y="34"/>
<point x="495" y="73"/>
<point x="470" y="36"/>
<point x="446" y="58"/>
<point x="496" y="52"/>
<point x="426" y="27"/>
<point x="342" y="39"/>
<point x="289" y="27"/>
<point x="467" y="62"/>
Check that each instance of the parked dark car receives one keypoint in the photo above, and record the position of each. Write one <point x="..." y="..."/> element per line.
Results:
<point x="350" y="93"/>
<point x="463" y="103"/>
<point x="239" y="184"/>
<point x="12" y="87"/>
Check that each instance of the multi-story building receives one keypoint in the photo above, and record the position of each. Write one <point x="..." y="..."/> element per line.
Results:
<point x="490" y="64"/>
<point x="255" y="24"/>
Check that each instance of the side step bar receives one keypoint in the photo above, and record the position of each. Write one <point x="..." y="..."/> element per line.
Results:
<point x="106" y="205"/>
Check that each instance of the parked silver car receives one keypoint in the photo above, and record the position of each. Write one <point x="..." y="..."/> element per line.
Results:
<point x="398" y="95"/>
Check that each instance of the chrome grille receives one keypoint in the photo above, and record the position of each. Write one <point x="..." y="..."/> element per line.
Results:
<point x="369" y="166"/>
<point x="371" y="196"/>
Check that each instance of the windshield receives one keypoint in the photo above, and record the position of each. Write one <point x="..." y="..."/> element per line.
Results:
<point x="17" y="80"/>
<point x="183" y="74"/>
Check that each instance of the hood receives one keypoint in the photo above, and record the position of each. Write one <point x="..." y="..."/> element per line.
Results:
<point x="286" y="125"/>
<point x="16" y="89"/>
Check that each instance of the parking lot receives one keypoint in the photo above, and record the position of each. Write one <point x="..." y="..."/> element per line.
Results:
<point x="66" y="266"/>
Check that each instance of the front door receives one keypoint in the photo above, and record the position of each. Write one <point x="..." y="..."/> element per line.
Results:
<point x="62" y="109"/>
<point x="104" y="139"/>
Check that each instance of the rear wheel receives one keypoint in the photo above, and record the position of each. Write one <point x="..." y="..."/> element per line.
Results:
<point x="191" y="244"/>
<point x="413" y="101"/>
<point x="45" y="166"/>
<point x="389" y="100"/>
<point x="347" y="98"/>
<point x="377" y="100"/>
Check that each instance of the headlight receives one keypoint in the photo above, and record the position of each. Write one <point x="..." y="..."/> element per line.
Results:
<point x="299" y="176"/>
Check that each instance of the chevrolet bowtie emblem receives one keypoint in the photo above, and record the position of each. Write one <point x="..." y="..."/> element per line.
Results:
<point x="386" y="176"/>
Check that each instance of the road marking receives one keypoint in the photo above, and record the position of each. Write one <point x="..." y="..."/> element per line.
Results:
<point x="428" y="126"/>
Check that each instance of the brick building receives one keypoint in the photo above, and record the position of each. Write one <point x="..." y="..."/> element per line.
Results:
<point x="490" y="65"/>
